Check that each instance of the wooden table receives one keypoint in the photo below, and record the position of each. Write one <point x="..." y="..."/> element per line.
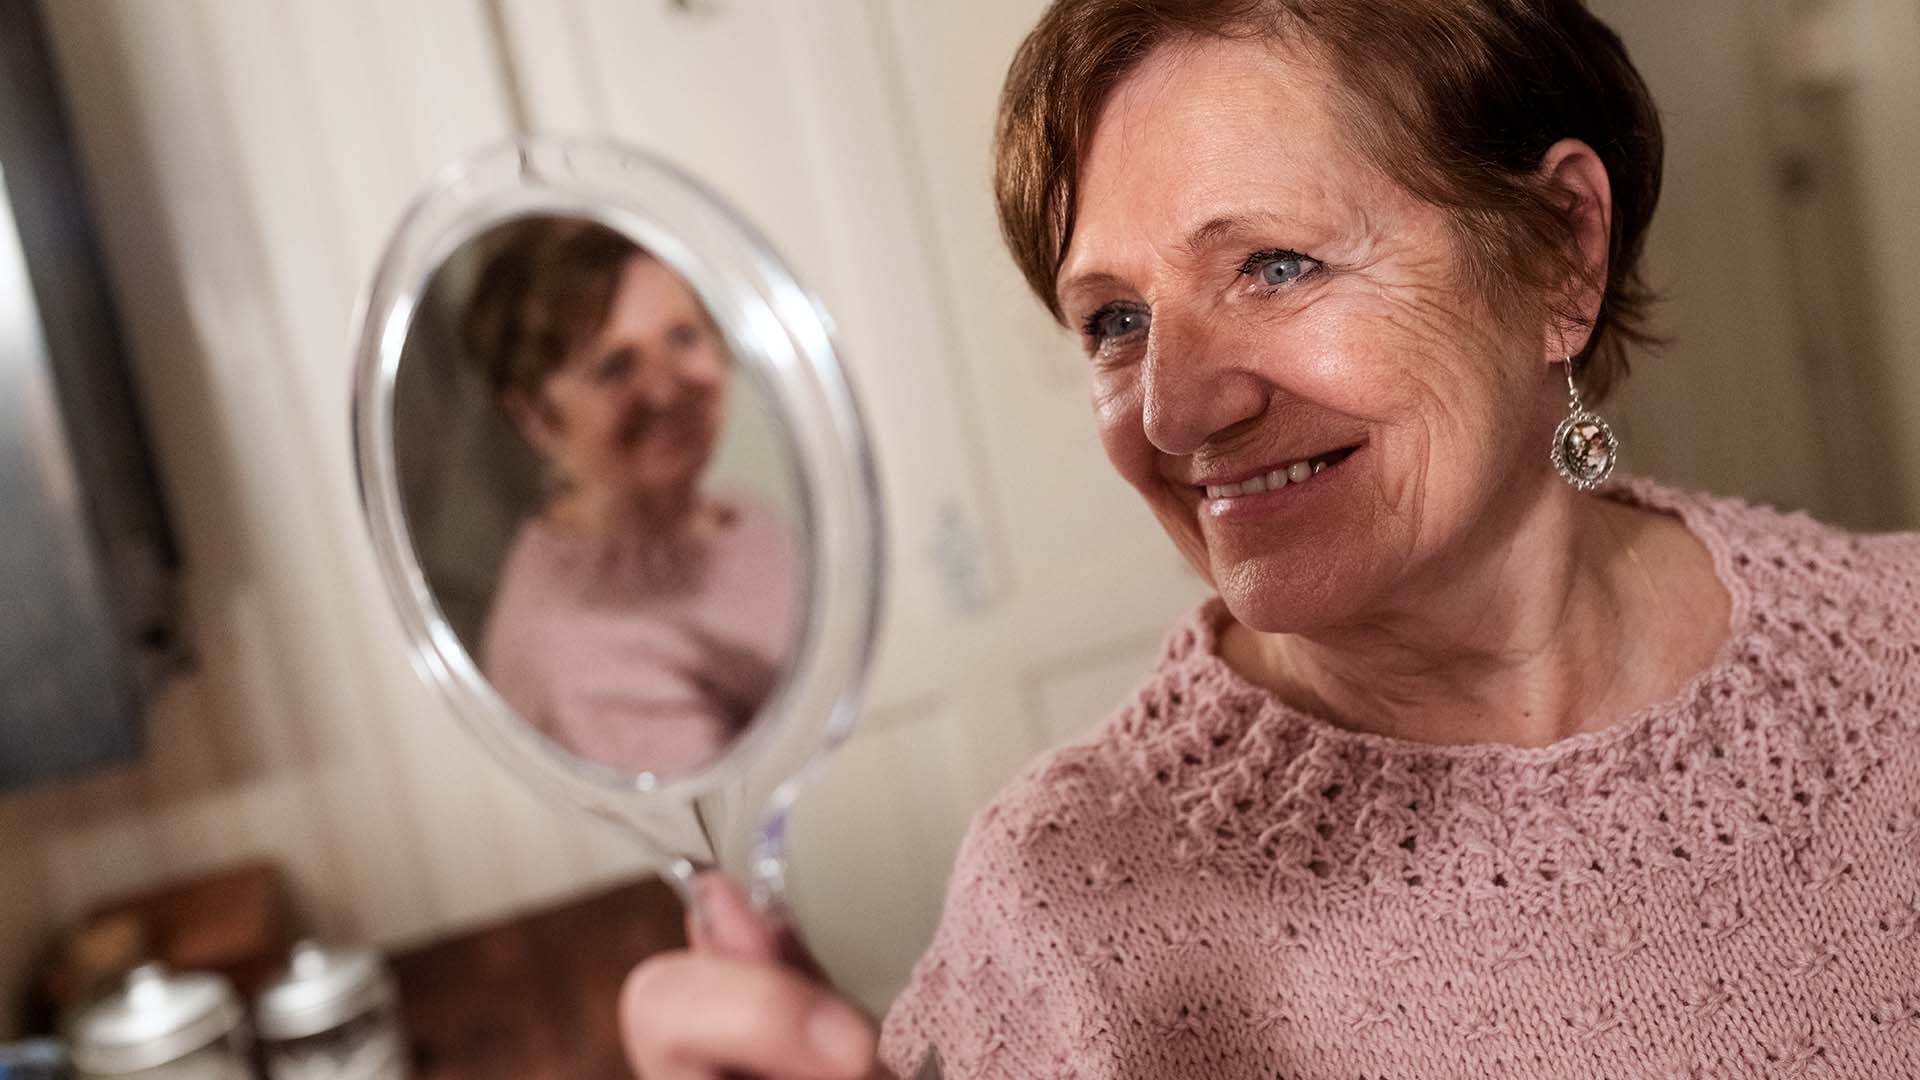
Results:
<point x="533" y="998"/>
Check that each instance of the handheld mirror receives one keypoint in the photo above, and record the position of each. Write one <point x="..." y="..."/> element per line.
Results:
<point x="620" y="492"/>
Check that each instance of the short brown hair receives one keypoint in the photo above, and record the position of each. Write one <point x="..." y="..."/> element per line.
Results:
<point x="544" y="290"/>
<point x="1456" y="100"/>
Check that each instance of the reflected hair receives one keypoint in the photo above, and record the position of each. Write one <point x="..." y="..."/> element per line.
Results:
<point x="1455" y="100"/>
<point x="544" y="290"/>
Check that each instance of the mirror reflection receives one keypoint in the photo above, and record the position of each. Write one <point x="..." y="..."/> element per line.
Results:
<point x="600" y="497"/>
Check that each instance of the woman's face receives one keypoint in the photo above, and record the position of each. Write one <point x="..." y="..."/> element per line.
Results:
<point x="636" y="412"/>
<point x="1255" y="296"/>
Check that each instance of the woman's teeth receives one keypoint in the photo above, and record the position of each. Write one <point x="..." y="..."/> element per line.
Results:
<point x="1296" y="473"/>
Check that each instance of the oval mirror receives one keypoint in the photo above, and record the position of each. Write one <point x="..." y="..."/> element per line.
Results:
<point x="620" y="492"/>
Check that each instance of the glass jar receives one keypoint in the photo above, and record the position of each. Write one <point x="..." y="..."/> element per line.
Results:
<point x="334" y="1014"/>
<point x="35" y="1059"/>
<point x="163" y="1026"/>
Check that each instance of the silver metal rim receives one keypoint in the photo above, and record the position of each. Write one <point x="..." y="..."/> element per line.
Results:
<point x="119" y="1035"/>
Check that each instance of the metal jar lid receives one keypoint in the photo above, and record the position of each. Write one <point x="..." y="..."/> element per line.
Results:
<point x="321" y="989"/>
<point x="157" y="1017"/>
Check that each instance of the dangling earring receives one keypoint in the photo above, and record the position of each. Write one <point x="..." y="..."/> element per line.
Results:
<point x="1584" y="448"/>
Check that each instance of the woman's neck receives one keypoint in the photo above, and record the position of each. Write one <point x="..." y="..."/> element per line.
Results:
<point x="663" y="519"/>
<point x="1581" y="612"/>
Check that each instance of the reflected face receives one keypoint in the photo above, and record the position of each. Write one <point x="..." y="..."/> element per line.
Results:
<point x="1288" y="359"/>
<point x="637" y="412"/>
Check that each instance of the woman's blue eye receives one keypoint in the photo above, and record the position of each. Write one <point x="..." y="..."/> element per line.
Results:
<point x="1279" y="267"/>
<point x="1281" y="271"/>
<point x="1113" y="322"/>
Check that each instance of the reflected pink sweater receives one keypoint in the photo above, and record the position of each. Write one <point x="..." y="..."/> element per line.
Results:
<point x="633" y="670"/>
<point x="1726" y="885"/>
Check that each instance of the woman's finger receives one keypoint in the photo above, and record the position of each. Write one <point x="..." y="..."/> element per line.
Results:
<point x="686" y="1016"/>
<point x="729" y="924"/>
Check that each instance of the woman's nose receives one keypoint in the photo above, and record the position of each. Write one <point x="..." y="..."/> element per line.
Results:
<point x="660" y="385"/>
<point x="659" y="391"/>
<point x="1196" y="389"/>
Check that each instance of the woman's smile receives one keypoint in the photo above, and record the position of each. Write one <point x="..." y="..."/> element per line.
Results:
<point x="670" y="430"/>
<point x="1282" y="487"/>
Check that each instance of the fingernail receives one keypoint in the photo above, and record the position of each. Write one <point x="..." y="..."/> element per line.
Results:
<point x="840" y="1037"/>
<point x="708" y="890"/>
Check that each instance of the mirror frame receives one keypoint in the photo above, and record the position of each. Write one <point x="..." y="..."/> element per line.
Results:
<point x="780" y="335"/>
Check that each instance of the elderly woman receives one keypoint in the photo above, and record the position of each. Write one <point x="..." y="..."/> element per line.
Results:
<point x="640" y="616"/>
<point x="1468" y="770"/>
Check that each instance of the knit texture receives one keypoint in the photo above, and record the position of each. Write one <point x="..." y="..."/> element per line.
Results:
<point x="1723" y="885"/>
<point x="635" y="666"/>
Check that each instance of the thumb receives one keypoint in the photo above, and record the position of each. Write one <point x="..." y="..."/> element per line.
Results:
<point x="725" y="922"/>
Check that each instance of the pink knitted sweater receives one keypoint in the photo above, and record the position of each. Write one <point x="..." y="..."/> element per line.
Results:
<point x="1724" y="885"/>
<point x="636" y="669"/>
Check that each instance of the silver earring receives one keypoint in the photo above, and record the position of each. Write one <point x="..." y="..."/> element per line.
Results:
<point x="1584" y="447"/>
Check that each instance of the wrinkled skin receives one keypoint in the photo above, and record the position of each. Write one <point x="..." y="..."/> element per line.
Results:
<point x="1440" y="583"/>
<point x="1381" y="340"/>
<point x="1253" y="291"/>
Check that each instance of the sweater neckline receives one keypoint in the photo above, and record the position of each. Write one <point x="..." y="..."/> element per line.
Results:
<point x="1698" y="515"/>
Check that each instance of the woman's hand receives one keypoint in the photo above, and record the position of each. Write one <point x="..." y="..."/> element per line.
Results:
<point x="741" y="1000"/>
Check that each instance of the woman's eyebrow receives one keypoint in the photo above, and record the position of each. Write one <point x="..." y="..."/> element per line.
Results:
<point x="1210" y="233"/>
<point x="1093" y="280"/>
<point x="1224" y="227"/>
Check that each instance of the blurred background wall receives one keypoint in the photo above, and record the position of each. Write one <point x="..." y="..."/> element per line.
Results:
<point x="246" y="160"/>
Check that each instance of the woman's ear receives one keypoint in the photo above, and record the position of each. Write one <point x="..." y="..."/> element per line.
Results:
<point x="533" y="419"/>
<point x="1573" y="168"/>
